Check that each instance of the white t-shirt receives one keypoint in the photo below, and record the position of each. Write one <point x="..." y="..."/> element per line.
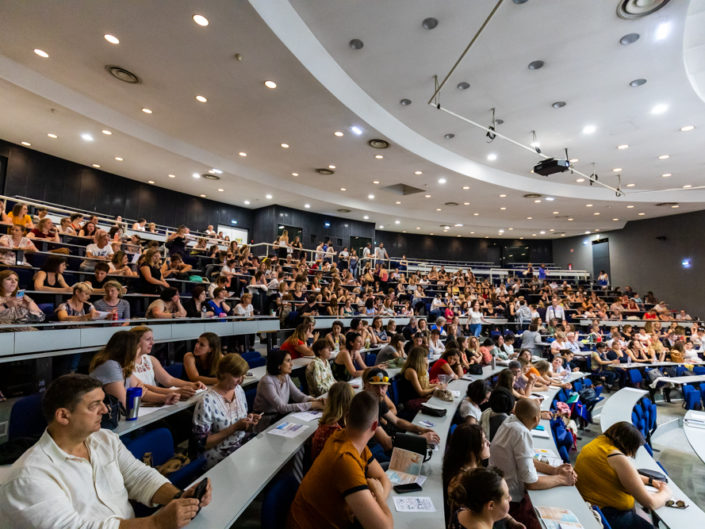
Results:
<point x="469" y="409"/>
<point x="105" y="251"/>
<point x="512" y="451"/>
<point x="144" y="371"/>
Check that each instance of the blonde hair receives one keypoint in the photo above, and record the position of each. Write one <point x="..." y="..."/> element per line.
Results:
<point x="417" y="361"/>
<point x="113" y="284"/>
<point x="83" y="286"/>
<point x="340" y="396"/>
<point x="232" y="364"/>
<point x="140" y="331"/>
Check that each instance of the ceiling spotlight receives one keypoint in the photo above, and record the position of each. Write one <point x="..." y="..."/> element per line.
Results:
<point x="86" y="136"/>
<point x="615" y="219"/>
<point x="307" y="206"/>
<point x="52" y="135"/>
<point x="449" y="135"/>
<point x="623" y="146"/>
<point x="476" y="214"/>
<point x="465" y="188"/>
<point x="202" y="195"/>
<point x="216" y="171"/>
<point x="687" y="186"/>
<point x="631" y="185"/>
<point x="617" y="170"/>
<point x="294" y="174"/>
<point x="536" y="65"/>
<point x="529" y="218"/>
<point x="26" y="144"/>
<point x="243" y="154"/>
<point x="596" y="213"/>
<point x="119" y="158"/>
<point x="356" y="44"/>
<point x="629" y="38"/>
<point x="196" y="175"/>
<point x="107" y="132"/>
<point x="405" y="102"/>
<point x="147" y="110"/>
<point x="429" y="23"/>
<point x="439" y="209"/>
<point x="630" y="206"/>
<point x="220" y="189"/>
<point x="200" y="20"/>
<point x="268" y="196"/>
<point x="666" y="175"/>
<point x="641" y="213"/>
<point x="398" y="202"/>
<point x="427" y="196"/>
<point x="171" y="175"/>
<point x="112" y="39"/>
<point x="588" y="205"/>
<point x="357" y="131"/>
<point x="589" y="129"/>
<point x="331" y="166"/>
<point x="397" y="222"/>
<point x="381" y="227"/>
<point x="376" y="182"/>
<point x="418" y="172"/>
<point x="96" y="165"/>
<point x="687" y="128"/>
<point x="418" y="227"/>
<point x="371" y="196"/>
<point x="338" y="133"/>
<point x="662" y="30"/>
<point x="41" y="53"/>
<point x="491" y="157"/>
<point x="503" y="208"/>
<point x="201" y="99"/>
<point x="379" y="156"/>
<point x="150" y="181"/>
<point x="659" y="109"/>
<point x="580" y="180"/>
<point x="664" y="157"/>
<point x="366" y="217"/>
<point x="285" y="145"/>
<point x="246" y="202"/>
<point x="637" y="82"/>
<point x="343" y="188"/>
<point x="558" y="104"/>
<point x="550" y="199"/>
<point x="270" y="84"/>
<point x="463" y="85"/>
<point x="574" y="160"/>
<point x="442" y="180"/>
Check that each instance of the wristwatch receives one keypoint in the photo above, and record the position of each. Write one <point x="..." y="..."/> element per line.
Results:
<point x="178" y="494"/>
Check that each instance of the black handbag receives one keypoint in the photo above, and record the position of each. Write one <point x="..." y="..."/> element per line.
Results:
<point x="413" y="443"/>
<point x="435" y="412"/>
<point x="653" y="474"/>
<point x="111" y="419"/>
<point x="475" y="369"/>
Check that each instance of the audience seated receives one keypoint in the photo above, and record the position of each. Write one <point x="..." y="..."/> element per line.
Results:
<point x="19" y="216"/>
<point x="414" y="386"/>
<point x="201" y="364"/>
<point x="78" y="308"/>
<point x="79" y="475"/>
<point x="168" y="306"/>
<point x="319" y="376"/>
<point x="448" y="364"/>
<point x="345" y="480"/>
<point x="482" y="497"/>
<point x="477" y="393"/>
<point x="15" y="241"/>
<point x="120" y="266"/>
<point x="150" y="273"/>
<point x="218" y="305"/>
<point x="111" y="302"/>
<point x="99" y="250"/>
<point x="220" y="421"/>
<point x="15" y="305"/>
<point x="338" y="401"/>
<point x="349" y="362"/>
<point x="392" y="352"/>
<point x="295" y="344"/>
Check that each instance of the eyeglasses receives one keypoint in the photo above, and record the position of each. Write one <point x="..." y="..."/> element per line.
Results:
<point x="379" y="379"/>
<point x="676" y="504"/>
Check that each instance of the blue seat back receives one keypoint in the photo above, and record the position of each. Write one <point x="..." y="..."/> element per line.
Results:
<point x="277" y="501"/>
<point x="250" y="394"/>
<point x="635" y="377"/>
<point x="26" y="419"/>
<point x="698" y="370"/>
<point x="176" y="370"/>
<point x="605" y="523"/>
<point x="159" y="442"/>
<point x="393" y="391"/>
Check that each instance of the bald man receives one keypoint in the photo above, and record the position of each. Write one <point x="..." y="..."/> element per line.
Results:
<point x="512" y="450"/>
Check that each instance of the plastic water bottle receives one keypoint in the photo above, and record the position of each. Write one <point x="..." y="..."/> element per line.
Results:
<point x="204" y="311"/>
<point x="494" y="361"/>
<point x="629" y="360"/>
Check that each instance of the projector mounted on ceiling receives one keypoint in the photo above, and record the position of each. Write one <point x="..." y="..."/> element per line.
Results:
<point x="550" y="166"/>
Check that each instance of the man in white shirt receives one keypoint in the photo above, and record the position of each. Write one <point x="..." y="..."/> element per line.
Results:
<point x="366" y="252"/>
<point x="78" y="475"/>
<point x="573" y="343"/>
<point x="512" y="450"/>
<point x="381" y="253"/>
<point x="555" y="311"/>
<point x="99" y="249"/>
<point x="139" y="225"/>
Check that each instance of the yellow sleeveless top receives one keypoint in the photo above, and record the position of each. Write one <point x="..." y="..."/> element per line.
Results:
<point x="598" y="482"/>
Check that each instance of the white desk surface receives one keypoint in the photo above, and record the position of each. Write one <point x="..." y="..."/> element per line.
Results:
<point x="159" y="413"/>
<point x="619" y="408"/>
<point x="695" y="432"/>
<point x="679" y="380"/>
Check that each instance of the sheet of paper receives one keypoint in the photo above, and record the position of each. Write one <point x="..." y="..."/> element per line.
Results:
<point x="146" y="410"/>
<point x="402" y="478"/>
<point x="413" y="504"/>
<point x="307" y="416"/>
<point x="287" y="429"/>
<point x="558" y="518"/>
<point x="455" y="393"/>
<point x="540" y="434"/>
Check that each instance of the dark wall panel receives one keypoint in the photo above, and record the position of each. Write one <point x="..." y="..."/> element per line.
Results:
<point x="37" y="175"/>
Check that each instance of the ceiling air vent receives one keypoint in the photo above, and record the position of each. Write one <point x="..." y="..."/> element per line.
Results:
<point x="631" y="9"/>
<point x="209" y="176"/>
<point x="121" y="74"/>
<point x="667" y="204"/>
<point x="403" y="189"/>
<point x="378" y="144"/>
<point x="324" y="171"/>
<point x="450" y="204"/>
<point x="533" y="195"/>
<point x="344" y="210"/>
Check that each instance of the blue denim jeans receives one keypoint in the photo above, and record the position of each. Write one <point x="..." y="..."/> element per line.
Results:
<point x="625" y="519"/>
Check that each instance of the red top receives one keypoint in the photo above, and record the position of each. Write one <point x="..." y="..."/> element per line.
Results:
<point x="290" y="348"/>
<point x="437" y="369"/>
<point x="320" y="437"/>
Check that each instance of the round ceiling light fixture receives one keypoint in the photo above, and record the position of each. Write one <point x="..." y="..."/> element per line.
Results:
<point x="449" y="135"/>
<point x="463" y="85"/>
<point x="356" y="44"/>
<point x="558" y="104"/>
<point x="637" y="82"/>
<point x="429" y="23"/>
<point x="629" y="38"/>
<point x="376" y="143"/>
<point x="536" y="65"/>
<point x="324" y="171"/>
<point x="405" y="102"/>
<point x="631" y="9"/>
<point x="121" y="74"/>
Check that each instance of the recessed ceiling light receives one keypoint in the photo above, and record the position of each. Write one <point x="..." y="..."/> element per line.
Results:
<point x="587" y="232"/>
<point x="356" y="44"/>
<point x="466" y="203"/>
<point x="220" y="189"/>
<point x="202" y="195"/>
<point x="405" y="102"/>
<point x="580" y="180"/>
<point x="170" y="175"/>
<point x="588" y="205"/>
<point x="641" y="213"/>
<point x="465" y="188"/>
<point x="243" y="154"/>
<point x="150" y="181"/>
<point x="589" y="129"/>
<point x="631" y="185"/>
<point x="659" y="109"/>
<point x="338" y="133"/>
<point x="246" y="202"/>
<point x="543" y="232"/>
<point x="357" y="131"/>
<point x="294" y="174"/>
<point x="371" y="196"/>
<point x="510" y="228"/>
<point x="285" y="145"/>
<point x="550" y="199"/>
<point x="147" y="110"/>
<point x="268" y="196"/>
<point x="596" y="213"/>
<point x="503" y="195"/>
<point x="687" y="128"/>
<point x="307" y="206"/>
<point x="270" y="84"/>
<point x="463" y="85"/>
<point x="529" y="218"/>
<point x="343" y="188"/>
<point x="196" y="175"/>
<point x="617" y="170"/>
<point x="535" y="65"/>
<point x="674" y="206"/>
<point x="537" y="201"/>
<point x="556" y="212"/>
<point x="41" y="53"/>
<point x="630" y="206"/>
<point x="427" y="196"/>
<point x="574" y="160"/>
<point x="87" y="136"/>
<point x="491" y="157"/>
<point x="216" y="171"/>
<point x="439" y="209"/>
<point x="666" y="175"/>
<point x="381" y="227"/>
<point x="662" y="30"/>
<point x="119" y="158"/>
<point x="379" y="156"/>
<point x="107" y="132"/>
<point x="664" y="157"/>
<point x="429" y="23"/>
<point x="570" y="219"/>
<point x="397" y="222"/>
<point x="442" y="180"/>
<point x="201" y="99"/>
<point x="366" y="217"/>
<point x="629" y="38"/>
<point x="331" y="166"/>
<point x="623" y="146"/>
<point x="112" y="39"/>
<point x="26" y="144"/>
<point x="615" y="219"/>
<point x="503" y="208"/>
<point x="687" y="186"/>
<point x="398" y="202"/>
<point x="376" y="182"/>
<point x="637" y="82"/>
<point x="476" y="214"/>
<point x="52" y="135"/>
<point x="96" y="165"/>
<point x="417" y="173"/>
<point x="200" y="20"/>
<point x="418" y="227"/>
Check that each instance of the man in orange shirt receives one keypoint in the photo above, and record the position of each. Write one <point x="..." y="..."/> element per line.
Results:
<point x="345" y="482"/>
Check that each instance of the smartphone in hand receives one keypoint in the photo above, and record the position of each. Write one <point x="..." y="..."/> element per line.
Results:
<point x="200" y="492"/>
